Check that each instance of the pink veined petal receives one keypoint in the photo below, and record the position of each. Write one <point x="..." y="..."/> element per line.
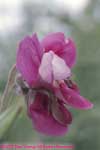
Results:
<point x="69" y="53"/>
<point x="53" y="41"/>
<point x="43" y="120"/>
<point x="74" y="99"/>
<point x="28" y="60"/>
<point x="53" y="68"/>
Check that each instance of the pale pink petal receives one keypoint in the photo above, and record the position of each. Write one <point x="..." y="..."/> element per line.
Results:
<point x="28" y="59"/>
<point x="60" y="69"/>
<point x="74" y="99"/>
<point x="43" y="120"/>
<point x="45" y="69"/>
<point x="53" y="68"/>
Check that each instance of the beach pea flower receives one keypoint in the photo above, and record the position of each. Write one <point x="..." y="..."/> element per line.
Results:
<point x="45" y="80"/>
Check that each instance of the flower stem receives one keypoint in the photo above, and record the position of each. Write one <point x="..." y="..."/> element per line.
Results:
<point x="8" y="88"/>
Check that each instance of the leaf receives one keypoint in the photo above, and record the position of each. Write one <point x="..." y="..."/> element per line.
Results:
<point x="7" y="118"/>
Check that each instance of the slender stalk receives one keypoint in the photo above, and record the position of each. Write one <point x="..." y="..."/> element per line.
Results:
<point x="8" y="88"/>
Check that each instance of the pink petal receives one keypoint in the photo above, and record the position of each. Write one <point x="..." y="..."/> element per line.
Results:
<point x="64" y="48"/>
<point x="53" y="68"/>
<point x="74" y="99"/>
<point x="58" y="93"/>
<point x="43" y="120"/>
<point x="28" y="59"/>
<point x="60" y="113"/>
<point x="72" y="85"/>
<point x="69" y="53"/>
<point x="37" y="45"/>
<point x="46" y="124"/>
<point x="53" y="41"/>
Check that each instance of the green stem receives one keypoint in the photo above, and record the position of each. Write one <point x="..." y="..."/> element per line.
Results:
<point x="8" y="88"/>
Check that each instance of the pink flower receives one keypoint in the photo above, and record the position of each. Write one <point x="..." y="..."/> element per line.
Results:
<point x="34" y="63"/>
<point x="46" y="67"/>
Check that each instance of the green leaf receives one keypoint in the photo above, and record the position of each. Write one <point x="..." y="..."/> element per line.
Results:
<point x="7" y="118"/>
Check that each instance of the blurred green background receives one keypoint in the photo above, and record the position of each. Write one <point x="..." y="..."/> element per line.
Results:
<point x="79" y="19"/>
